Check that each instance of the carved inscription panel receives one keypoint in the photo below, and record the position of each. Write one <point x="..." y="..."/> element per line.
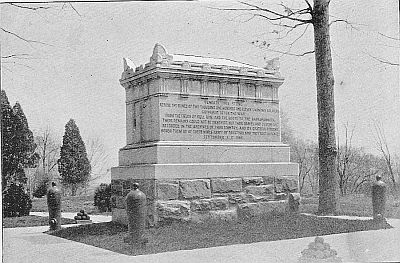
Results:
<point x="211" y="119"/>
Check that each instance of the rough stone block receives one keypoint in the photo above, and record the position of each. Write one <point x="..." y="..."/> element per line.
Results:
<point x="218" y="203"/>
<point x="168" y="181"/>
<point x="264" y="198"/>
<point x="199" y="188"/>
<point x="261" y="208"/>
<point x="167" y="191"/>
<point x="260" y="190"/>
<point x="288" y="184"/>
<point x="253" y="180"/>
<point x="269" y="179"/>
<point x="200" y="205"/>
<point x="280" y="196"/>
<point x="177" y="210"/>
<point x="236" y="198"/>
<point x="226" y="185"/>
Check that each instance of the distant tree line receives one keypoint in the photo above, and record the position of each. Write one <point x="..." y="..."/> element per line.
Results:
<point x="355" y="168"/>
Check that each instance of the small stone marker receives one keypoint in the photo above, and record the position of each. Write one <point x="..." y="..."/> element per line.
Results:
<point x="136" y="211"/>
<point x="379" y="200"/>
<point x="54" y="206"/>
<point x="318" y="251"/>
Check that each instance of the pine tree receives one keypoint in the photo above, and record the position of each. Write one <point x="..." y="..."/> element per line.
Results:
<point x="73" y="165"/>
<point x="24" y="140"/>
<point x="9" y="164"/>
<point x="18" y="146"/>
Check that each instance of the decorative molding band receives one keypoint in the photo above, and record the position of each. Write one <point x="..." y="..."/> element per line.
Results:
<point x="203" y="143"/>
<point x="147" y="97"/>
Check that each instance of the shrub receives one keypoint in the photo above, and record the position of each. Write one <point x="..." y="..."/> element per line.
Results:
<point x="41" y="190"/>
<point x="16" y="202"/>
<point x="102" y="197"/>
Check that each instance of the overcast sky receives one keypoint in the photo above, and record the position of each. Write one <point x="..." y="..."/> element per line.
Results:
<point x="76" y="75"/>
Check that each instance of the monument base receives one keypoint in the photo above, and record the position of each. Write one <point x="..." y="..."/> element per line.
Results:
<point x="205" y="191"/>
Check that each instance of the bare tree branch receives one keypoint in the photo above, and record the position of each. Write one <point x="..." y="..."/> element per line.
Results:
<point x="15" y="56"/>
<point x="346" y="22"/>
<point x="30" y="41"/>
<point x="30" y="7"/>
<point x="293" y="54"/>
<point x="309" y="6"/>
<point x="279" y="16"/>
<point x="74" y="9"/>
<point x="382" y="60"/>
<point x="292" y="28"/>
<point x="301" y="35"/>
<point x="394" y="38"/>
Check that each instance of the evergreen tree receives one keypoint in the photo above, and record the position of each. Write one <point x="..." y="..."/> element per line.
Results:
<point x="16" y="202"/>
<point x="9" y="167"/>
<point x="73" y="165"/>
<point x="24" y="140"/>
<point x="17" y="145"/>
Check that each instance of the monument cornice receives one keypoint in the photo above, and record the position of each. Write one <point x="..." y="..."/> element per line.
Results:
<point x="165" y="65"/>
<point x="169" y="73"/>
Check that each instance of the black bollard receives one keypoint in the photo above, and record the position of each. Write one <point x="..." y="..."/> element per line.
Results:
<point x="378" y="199"/>
<point x="136" y="210"/>
<point x="54" y="206"/>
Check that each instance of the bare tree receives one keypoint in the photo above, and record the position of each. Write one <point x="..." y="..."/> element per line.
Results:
<point x="290" y="19"/>
<point x="48" y="149"/>
<point x="304" y="153"/>
<point x="99" y="161"/>
<point x="383" y="148"/>
<point x="344" y="157"/>
<point x="365" y="167"/>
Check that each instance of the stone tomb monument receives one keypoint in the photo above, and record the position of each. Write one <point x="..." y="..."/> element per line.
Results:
<point x="202" y="139"/>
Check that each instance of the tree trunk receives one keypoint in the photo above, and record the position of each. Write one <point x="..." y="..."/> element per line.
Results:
<point x="326" y="109"/>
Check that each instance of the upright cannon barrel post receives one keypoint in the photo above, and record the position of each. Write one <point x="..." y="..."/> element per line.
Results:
<point x="136" y="210"/>
<point x="54" y="206"/>
<point x="379" y="199"/>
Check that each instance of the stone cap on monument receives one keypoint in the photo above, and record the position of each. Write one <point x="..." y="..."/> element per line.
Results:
<point x="183" y="63"/>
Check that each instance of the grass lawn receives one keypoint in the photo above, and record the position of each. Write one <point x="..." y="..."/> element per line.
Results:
<point x="353" y="205"/>
<point x="180" y="236"/>
<point x="26" y="221"/>
<point x="68" y="204"/>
